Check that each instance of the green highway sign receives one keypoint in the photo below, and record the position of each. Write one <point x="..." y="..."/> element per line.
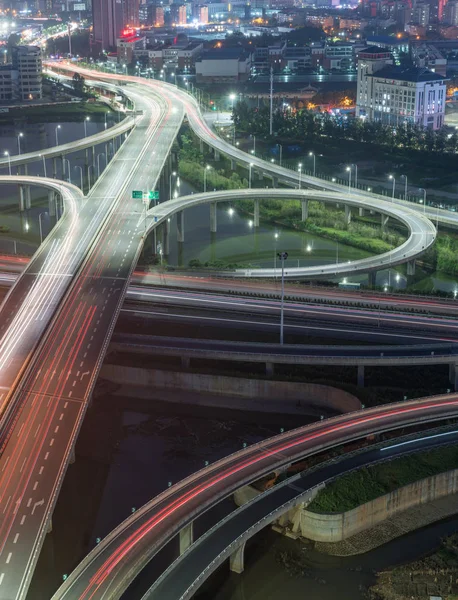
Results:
<point x="153" y="195"/>
<point x="137" y="194"/>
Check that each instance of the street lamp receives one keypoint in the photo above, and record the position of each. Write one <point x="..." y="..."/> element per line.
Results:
<point x="19" y="141"/>
<point x="9" y="160"/>
<point x="394" y="186"/>
<point x="57" y="136"/>
<point x="349" y="178"/>
<point x="249" y="176"/>
<point x="232" y="97"/>
<point x="207" y="168"/>
<point x="98" y="162"/>
<point x="356" y="174"/>
<point x="44" y="163"/>
<point x="88" y="119"/>
<point x="81" y="175"/>
<point x="299" y="168"/>
<point x="405" y="186"/>
<point x="275" y="253"/>
<point x="170" y="182"/>
<point x="314" y="162"/>
<point x="282" y="256"/>
<point x="424" y="198"/>
<point x="39" y="223"/>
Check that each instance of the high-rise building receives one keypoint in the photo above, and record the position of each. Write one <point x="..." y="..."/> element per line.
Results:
<point x="421" y="14"/>
<point x="111" y="18"/>
<point x="451" y="13"/>
<point x="26" y="60"/>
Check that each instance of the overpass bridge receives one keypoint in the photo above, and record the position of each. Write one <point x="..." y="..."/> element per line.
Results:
<point x="50" y="392"/>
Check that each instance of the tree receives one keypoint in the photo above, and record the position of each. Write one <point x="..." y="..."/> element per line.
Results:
<point x="78" y="83"/>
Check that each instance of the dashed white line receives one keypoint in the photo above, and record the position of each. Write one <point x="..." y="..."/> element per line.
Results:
<point x="61" y="415"/>
<point x="51" y="442"/>
<point x="46" y="455"/>
<point x="35" y="485"/>
<point x="15" y="538"/>
<point x="23" y="519"/>
<point x="40" y="471"/>
<point x="8" y="558"/>
<point x="56" y="429"/>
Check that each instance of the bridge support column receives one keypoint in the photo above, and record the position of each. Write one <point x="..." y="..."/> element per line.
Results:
<point x="453" y="375"/>
<point x="360" y="375"/>
<point x="361" y="211"/>
<point x="256" y="213"/>
<point x="270" y="369"/>
<point x="213" y="223"/>
<point x="274" y="182"/>
<point x="54" y="167"/>
<point x="305" y="209"/>
<point x="384" y="221"/>
<point x="93" y="160"/>
<point x="51" y="203"/>
<point x="411" y="267"/>
<point x="185" y="362"/>
<point x="201" y="146"/>
<point x="347" y="214"/>
<point x="237" y="560"/>
<point x="166" y="237"/>
<point x="216" y="155"/>
<point x="233" y="165"/>
<point x="28" y="197"/>
<point x="372" y="277"/>
<point x="62" y="162"/>
<point x="107" y="156"/>
<point x="21" y="197"/>
<point x="186" y="537"/>
<point x="180" y="226"/>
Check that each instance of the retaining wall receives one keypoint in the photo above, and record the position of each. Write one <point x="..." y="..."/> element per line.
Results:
<point x="253" y="394"/>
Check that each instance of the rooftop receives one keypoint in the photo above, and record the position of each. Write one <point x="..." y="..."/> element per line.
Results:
<point x="389" y="40"/>
<point x="415" y="74"/>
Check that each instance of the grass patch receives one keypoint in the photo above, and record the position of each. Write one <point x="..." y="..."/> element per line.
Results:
<point x="366" y="484"/>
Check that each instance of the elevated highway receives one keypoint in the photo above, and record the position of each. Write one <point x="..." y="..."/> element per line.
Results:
<point x="113" y="564"/>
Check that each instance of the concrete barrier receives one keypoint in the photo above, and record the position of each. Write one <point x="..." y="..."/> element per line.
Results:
<point x="218" y="390"/>
<point x="340" y="526"/>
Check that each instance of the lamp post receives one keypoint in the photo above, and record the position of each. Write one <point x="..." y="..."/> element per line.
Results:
<point x="44" y="164"/>
<point x="405" y="186"/>
<point x="81" y="175"/>
<point x="312" y="154"/>
<point x="98" y="162"/>
<point x="232" y="97"/>
<point x="349" y="178"/>
<point x="356" y="174"/>
<point x="424" y="198"/>
<point x="173" y="174"/>
<point x="88" y="119"/>
<point x="299" y="168"/>
<point x="19" y="141"/>
<point x="39" y="223"/>
<point x="394" y="186"/>
<point x="207" y="168"/>
<point x="9" y="161"/>
<point x="57" y="136"/>
<point x="275" y="253"/>
<point x="249" y="176"/>
<point x="282" y="256"/>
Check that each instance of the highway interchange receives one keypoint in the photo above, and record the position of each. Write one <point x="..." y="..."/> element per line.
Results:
<point x="56" y="384"/>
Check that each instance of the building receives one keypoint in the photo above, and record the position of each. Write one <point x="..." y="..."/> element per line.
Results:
<point x="171" y="58"/>
<point x="397" y="46"/>
<point x="421" y="14"/>
<point x="152" y="14"/>
<point x="451" y="13"/>
<point x="20" y="80"/>
<point x="26" y="60"/>
<point x="224" y="65"/>
<point x="127" y="47"/>
<point x="178" y="14"/>
<point x="396" y="95"/>
<point x="111" y="18"/>
<point x="429" y="57"/>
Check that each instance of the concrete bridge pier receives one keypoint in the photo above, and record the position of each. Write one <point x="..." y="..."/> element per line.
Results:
<point x="305" y="209"/>
<point x="237" y="560"/>
<point x="233" y="165"/>
<point x="62" y="162"/>
<point x="21" y="197"/>
<point x="372" y="276"/>
<point x="384" y="221"/>
<point x="347" y="214"/>
<point x="185" y="362"/>
<point x="51" y="203"/>
<point x="453" y="375"/>
<point x="274" y="181"/>
<point x="213" y="223"/>
<point x="216" y="155"/>
<point x="107" y="155"/>
<point x="93" y="158"/>
<point x="28" y="197"/>
<point x="411" y="267"/>
<point x="360" y="375"/>
<point x="270" y="369"/>
<point x="180" y="226"/>
<point x="186" y="537"/>
<point x="201" y="146"/>
<point x="256" y="213"/>
<point x="361" y="212"/>
<point x="54" y="167"/>
<point x="166" y="237"/>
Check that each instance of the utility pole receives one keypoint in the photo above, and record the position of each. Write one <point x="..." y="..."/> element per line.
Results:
<point x="282" y="256"/>
<point x="69" y="30"/>
<point x="271" y="98"/>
